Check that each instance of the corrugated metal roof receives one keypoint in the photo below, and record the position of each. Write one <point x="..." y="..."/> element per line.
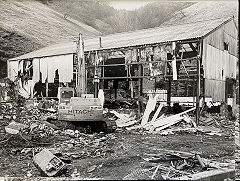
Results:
<point x="134" y="38"/>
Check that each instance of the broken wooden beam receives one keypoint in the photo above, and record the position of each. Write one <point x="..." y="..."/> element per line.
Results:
<point x="149" y="108"/>
<point x="211" y="175"/>
<point x="157" y="113"/>
<point x="202" y="164"/>
<point x="179" y="153"/>
<point x="168" y="121"/>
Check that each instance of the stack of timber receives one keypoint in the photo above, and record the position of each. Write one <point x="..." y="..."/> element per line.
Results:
<point x="163" y="123"/>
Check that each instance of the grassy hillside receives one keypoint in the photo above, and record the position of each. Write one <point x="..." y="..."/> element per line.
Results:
<point x="12" y="45"/>
<point x="27" y="25"/>
<point x="36" y="21"/>
<point x="90" y="12"/>
<point x="205" y="10"/>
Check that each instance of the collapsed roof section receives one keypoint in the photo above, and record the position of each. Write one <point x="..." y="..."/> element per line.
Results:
<point x="163" y="34"/>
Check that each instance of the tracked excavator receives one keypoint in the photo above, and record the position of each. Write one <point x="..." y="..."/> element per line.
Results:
<point x="83" y="111"/>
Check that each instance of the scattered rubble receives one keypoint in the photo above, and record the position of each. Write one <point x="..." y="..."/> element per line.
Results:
<point x="27" y="133"/>
<point x="14" y="127"/>
<point x="172" y="165"/>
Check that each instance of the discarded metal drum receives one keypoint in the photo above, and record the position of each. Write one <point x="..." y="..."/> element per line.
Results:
<point x="48" y="163"/>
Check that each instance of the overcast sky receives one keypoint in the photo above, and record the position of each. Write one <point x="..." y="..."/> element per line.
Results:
<point x="128" y="4"/>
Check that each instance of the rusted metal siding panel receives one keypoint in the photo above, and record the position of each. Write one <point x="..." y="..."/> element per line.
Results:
<point x="226" y="33"/>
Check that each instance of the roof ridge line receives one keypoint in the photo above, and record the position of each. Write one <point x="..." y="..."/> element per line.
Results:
<point x="226" y="18"/>
<point x="159" y="27"/>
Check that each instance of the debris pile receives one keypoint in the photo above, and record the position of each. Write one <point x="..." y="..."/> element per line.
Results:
<point x="75" y="146"/>
<point x="156" y="120"/>
<point x="165" y="122"/>
<point x="64" y="149"/>
<point x="217" y="124"/>
<point x="28" y="120"/>
<point x="86" y="145"/>
<point x="237" y="163"/>
<point x="169" y="165"/>
<point x="124" y="120"/>
<point x="156" y="124"/>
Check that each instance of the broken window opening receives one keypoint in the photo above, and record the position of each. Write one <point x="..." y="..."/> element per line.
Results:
<point x="40" y="89"/>
<point x="28" y="69"/>
<point x="226" y="46"/>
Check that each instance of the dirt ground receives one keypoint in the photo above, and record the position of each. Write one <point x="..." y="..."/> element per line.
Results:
<point x="123" y="154"/>
<point x="117" y="156"/>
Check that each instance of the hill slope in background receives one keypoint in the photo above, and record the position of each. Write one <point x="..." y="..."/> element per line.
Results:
<point x="203" y="11"/>
<point x="36" y="21"/>
<point x="148" y="16"/>
<point x="27" y="25"/>
<point x="12" y="45"/>
<point x="106" y="19"/>
<point x="89" y="12"/>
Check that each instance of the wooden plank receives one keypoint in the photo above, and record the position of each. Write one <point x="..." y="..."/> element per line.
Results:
<point x="198" y="91"/>
<point x="174" y="68"/>
<point x="169" y="91"/>
<point x="177" y="119"/>
<point x="179" y="114"/>
<point x="192" y="47"/>
<point x="125" y="124"/>
<point x="168" y="121"/>
<point x="211" y="175"/>
<point x="157" y="113"/>
<point x="46" y="89"/>
<point x="172" y="152"/>
<point x="123" y="117"/>
<point x="134" y="127"/>
<point x="149" y="108"/>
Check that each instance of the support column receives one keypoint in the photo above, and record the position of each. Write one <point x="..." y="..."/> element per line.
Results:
<point x="199" y="62"/>
<point x="47" y="89"/>
<point x="169" y="86"/>
<point x="198" y="91"/>
<point x="169" y="92"/>
<point x="96" y="88"/>
<point x="140" y="85"/>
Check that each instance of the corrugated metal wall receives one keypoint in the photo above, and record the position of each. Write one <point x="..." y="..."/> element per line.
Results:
<point x="226" y="33"/>
<point x="219" y="64"/>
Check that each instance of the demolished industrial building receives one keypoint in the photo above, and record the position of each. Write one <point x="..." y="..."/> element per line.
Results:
<point x="184" y="68"/>
<point x="186" y="63"/>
